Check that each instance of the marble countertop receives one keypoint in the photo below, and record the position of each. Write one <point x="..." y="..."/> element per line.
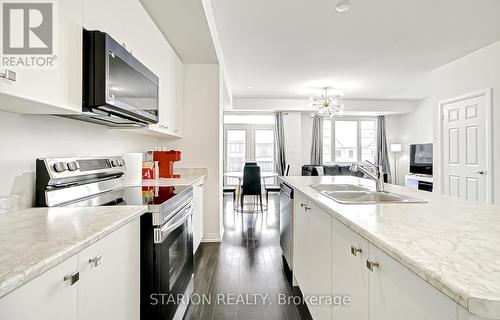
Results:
<point x="34" y="240"/>
<point x="452" y="244"/>
<point x="188" y="177"/>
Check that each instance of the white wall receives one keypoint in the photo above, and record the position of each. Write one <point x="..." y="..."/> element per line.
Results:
<point x="23" y="138"/>
<point x="200" y="144"/>
<point x="473" y="73"/>
<point x="406" y="129"/>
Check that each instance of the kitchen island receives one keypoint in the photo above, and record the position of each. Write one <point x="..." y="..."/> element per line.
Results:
<point x="450" y="245"/>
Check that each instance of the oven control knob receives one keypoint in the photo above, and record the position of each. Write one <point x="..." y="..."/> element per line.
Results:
<point x="73" y="166"/>
<point x="114" y="163"/>
<point x="122" y="162"/>
<point x="60" y="167"/>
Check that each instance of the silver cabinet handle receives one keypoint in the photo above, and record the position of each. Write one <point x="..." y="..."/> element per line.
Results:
<point x="355" y="250"/>
<point x="72" y="278"/>
<point x="200" y="185"/>
<point x="96" y="261"/>
<point x="372" y="265"/>
<point x="9" y="75"/>
<point x="480" y="171"/>
<point x="303" y="205"/>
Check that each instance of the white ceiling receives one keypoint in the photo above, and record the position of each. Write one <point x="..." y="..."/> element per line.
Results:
<point x="183" y="23"/>
<point x="379" y="49"/>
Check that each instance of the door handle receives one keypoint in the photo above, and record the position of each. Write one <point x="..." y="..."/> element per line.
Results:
<point x="480" y="171"/>
<point x="72" y="278"/>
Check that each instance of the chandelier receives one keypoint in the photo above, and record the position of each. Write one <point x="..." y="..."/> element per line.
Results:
<point x="327" y="106"/>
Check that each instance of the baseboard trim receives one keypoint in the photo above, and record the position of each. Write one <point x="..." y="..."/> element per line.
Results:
<point x="211" y="237"/>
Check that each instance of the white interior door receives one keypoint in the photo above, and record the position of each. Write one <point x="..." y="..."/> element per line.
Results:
<point x="465" y="148"/>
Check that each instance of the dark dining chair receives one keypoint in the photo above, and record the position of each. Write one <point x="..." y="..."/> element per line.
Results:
<point x="232" y="190"/>
<point x="250" y="164"/>
<point x="275" y="188"/>
<point x="251" y="184"/>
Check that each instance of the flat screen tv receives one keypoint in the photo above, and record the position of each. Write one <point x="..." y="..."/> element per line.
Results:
<point x="421" y="158"/>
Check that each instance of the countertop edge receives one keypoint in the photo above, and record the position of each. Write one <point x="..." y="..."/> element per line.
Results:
<point x="17" y="281"/>
<point x="480" y="306"/>
<point x="171" y="181"/>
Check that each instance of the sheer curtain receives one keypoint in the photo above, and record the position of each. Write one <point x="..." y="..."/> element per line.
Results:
<point x="279" y="137"/>
<point x="317" y="141"/>
<point x="382" y="155"/>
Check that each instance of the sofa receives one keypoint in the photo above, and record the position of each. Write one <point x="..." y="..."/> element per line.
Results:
<point x="333" y="170"/>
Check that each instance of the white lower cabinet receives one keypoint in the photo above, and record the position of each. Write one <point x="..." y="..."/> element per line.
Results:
<point x="332" y="259"/>
<point x="48" y="296"/>
<point x="197" y="214"/>
<point x="105" y="284"/>
<point x="397" y="293"/>
<point x="380" y="288"/>
<point x="312" y="255"/>
<point x="350" y="276"/>
<point x="109" y="286"/>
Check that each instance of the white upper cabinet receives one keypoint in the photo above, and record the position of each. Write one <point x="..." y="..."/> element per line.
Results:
<point x="128" y="23"/>
<point x="56" y="89"/>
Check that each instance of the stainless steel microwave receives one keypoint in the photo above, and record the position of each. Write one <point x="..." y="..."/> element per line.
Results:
<point x="118" y="90"/>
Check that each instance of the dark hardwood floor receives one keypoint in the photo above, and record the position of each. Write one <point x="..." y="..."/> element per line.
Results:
<point x="243" y="275"/>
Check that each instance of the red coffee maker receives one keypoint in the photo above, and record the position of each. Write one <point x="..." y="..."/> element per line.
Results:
<point x="166" y="161"/>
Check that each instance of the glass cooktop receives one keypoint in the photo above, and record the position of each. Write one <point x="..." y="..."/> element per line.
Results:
<point x="151" y="195"/>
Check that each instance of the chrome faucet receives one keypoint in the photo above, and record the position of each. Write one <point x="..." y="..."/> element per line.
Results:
<point x="371" y="171"/>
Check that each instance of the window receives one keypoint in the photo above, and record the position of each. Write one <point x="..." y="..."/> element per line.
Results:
<point x="248" y="138"/>
<point x="236" y="151"/>
<point x="349" y="140"/>
<point x="346" y="141"/>
<point x="327" y="142"/>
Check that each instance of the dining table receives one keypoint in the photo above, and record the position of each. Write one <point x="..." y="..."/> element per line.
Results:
<point x="239" y="175"/>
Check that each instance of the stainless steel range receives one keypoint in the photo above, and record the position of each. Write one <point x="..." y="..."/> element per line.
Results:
<point x="166" y="230"/>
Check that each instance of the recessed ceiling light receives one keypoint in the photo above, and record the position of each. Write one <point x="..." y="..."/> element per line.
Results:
<point x="343" y="5"/>
<point x="250" y="87"/>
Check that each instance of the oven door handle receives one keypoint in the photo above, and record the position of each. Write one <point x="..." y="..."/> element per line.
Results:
<point x="162" y="233"/>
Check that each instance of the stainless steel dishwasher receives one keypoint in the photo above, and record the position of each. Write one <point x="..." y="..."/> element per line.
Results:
<point x="286" y="223"/>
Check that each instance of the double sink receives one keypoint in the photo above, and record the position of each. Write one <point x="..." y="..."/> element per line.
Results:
<point x="356" y="194"/>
